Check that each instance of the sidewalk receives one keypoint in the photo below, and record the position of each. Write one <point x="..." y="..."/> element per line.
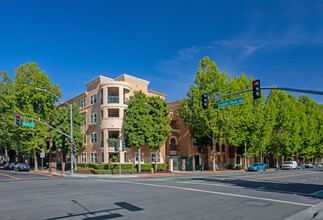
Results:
<point x="174" y="173"/>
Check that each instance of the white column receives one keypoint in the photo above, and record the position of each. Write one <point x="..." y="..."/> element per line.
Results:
<point x="121" y="98"/>
<point x="105" y="146"/>
<point x="105" y="95"/>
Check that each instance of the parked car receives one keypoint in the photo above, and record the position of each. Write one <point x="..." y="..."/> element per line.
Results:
<point x="308" y="165"/>
<point x="287" y="165"/>
<point x="21" y="167"/>
<point x="257" y="167"/>
<point x="300" y="166"/>
<point x="11" y="166"/>
<point x="6" y="166"/>
<point x="318" y="165"/>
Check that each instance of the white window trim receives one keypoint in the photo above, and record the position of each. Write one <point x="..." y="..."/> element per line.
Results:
<point x="95" y="139"/>
<point x="92" y="99"/>
<point x="83" y="103"/>
<point x="82" y="161"/>
<point x="95" y="119"/>
<point x="94" y="159"/>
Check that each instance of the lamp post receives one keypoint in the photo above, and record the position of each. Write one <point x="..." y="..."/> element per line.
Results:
<point x="71" y="119"/>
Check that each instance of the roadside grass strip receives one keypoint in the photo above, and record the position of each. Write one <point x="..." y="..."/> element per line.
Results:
<point x="10" y="176"/>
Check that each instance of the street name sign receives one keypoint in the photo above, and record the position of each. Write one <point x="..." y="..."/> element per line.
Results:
<point x="230" y="102"/>
<point x="28" y="124"/>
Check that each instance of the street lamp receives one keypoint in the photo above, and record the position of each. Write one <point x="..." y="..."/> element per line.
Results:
<point x="71" y="112"/>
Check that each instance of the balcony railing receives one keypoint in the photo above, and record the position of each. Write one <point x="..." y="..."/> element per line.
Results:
<point x="113" y="99"/>
<point x="111" y="143"/>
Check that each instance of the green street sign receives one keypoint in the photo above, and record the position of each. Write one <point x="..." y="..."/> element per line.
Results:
<point x="230" y="102"/>
<point x="28" y="124"/>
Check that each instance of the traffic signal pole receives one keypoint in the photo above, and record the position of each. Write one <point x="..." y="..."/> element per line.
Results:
<point x="72" y="158"/>
<point x="71" y="119"/>
<point x="219" y="96"/>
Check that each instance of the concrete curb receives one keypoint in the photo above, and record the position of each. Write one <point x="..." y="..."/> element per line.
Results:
<point x="183" y="174"/>
<point x="315" y="212"/>
<point x="48" y="174"/>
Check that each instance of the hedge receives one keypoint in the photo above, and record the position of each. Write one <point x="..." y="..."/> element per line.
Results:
<point x="148" y="166"/>
<point x="162" y="166"/>
<point x="113" y="171"/>
<point x="98" y="166"/>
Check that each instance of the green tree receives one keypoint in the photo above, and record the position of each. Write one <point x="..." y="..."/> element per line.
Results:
<point x="284" y="123"/>
<point x="159" y="128"/>
<point x="138" y="122"/>
<point x="7" y="108"/>
<point x="34" y="104"/>
<point x="203" y="143"/>
<point x="310" y="127"/>
<point x="210" y="122"/>
<point x="62" y="123"/>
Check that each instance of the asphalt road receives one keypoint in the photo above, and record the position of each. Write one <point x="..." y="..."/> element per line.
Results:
<point x="262" y="195"/>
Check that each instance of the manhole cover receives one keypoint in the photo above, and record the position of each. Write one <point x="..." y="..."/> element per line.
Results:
<point x="257" y="203"/>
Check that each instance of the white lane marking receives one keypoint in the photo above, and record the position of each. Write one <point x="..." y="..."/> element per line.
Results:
<point x="217" y="193"/>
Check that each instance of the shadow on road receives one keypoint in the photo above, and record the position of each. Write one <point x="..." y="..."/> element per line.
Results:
<point x="88" y="215"/>
<point x="303" y="189"/>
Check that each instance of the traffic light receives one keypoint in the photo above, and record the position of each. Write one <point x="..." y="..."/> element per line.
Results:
<point x="17" y="118"/>
<point x="123" y="145"/>
<point x="205" y="100"/>
<point x="74" y="146"/>
<point x="256" y="89"/>
<point x="116" y="146"/>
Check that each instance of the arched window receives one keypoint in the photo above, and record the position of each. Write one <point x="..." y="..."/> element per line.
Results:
<point x="173" y="144"/>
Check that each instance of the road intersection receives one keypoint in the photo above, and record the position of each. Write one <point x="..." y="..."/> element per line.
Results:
<point x="232" y="195"/>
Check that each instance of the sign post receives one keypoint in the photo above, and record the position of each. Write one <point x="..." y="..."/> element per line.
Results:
<point x="42" y="156"/>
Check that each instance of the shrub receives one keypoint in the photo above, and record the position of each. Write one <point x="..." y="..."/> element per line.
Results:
<point x="145" y="167"/>
<point x="113" y="171"/>
<point x="162" y="166"/>
<point x="239" y="166"/>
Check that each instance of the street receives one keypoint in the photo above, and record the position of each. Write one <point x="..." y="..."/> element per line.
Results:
<point x="255" y="195"/>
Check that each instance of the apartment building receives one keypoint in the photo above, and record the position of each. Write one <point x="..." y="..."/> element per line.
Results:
<point x="104" y="104"/>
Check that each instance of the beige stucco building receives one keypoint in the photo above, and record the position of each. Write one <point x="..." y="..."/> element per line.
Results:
<point x="104" y="104"/>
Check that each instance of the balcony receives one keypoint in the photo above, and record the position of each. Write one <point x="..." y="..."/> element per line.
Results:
<point x="113" y="99"/>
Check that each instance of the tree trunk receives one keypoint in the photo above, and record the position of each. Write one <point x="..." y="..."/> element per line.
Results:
<point x="245" y="155"/>
<point x="35" y="159"/>
<point x="6" y="154"/>
<point x="202" y="161"/>
<point x="139" y="159"/>
<point x="156" y="161"/>
<point x="62" y="165"/>
<point x="260" y="155"/>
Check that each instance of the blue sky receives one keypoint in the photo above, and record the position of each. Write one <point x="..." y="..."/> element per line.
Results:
<point x="279" y="42"/>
